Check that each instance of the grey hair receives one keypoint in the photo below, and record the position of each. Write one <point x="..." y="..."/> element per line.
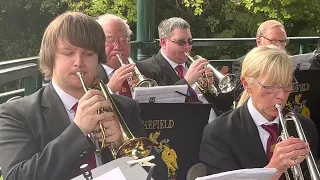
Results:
<point x="268" y="25"/>
<point x="105" y="18"/>
<point x="166" y="26"/>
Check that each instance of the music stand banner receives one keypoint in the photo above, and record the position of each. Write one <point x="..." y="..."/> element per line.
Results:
<point x="176" y="131"/>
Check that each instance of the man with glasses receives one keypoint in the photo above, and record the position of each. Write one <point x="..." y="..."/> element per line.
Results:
<point x="247" y="137"/>
<point x="270" y="32"/>
<point x="119" y="78"/>
<point x="170" y="67"/>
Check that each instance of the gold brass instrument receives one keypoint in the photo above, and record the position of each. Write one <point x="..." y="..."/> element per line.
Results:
<point x="226" y="83"/>
<point x="143" y="82"/>
<point x="296" y="170"/>
<point x="130" y="146"/>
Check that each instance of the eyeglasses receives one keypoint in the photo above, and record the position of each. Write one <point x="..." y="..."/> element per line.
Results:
<point x="182" y="42"/>
<point x="277" y="42"/>
<point x="275" y="88"/>
<point x="110" y="41"/>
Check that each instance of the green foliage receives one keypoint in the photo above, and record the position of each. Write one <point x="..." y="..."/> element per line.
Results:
<point x="1" y="178"/>
<point x="124" y="8"/>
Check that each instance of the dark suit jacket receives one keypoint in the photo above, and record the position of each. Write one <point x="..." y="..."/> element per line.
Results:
<point x="102" y="74"/>
<point x="232" y="142"/>
<point x="37" y="140"/>
<point x="159" y="69"/>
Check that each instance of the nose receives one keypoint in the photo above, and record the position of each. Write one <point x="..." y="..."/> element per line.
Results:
<point x="281" y="94"/>
<point x="117" y="46"/>
<point x="78" y="60"/>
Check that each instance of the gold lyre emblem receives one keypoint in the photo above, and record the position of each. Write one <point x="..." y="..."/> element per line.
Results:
<point x="272" y="148"/>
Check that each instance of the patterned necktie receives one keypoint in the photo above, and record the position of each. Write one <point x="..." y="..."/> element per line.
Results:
<point x="192" y="94"/>
<point x="179" y="69"/>
<point x="272" y="140"/>
<point x="125" y="89"/>
<point x="91" y="159"/>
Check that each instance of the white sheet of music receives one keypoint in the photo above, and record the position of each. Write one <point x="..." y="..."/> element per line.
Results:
<point x="161" y="94"/>
<point x="113" y="174"/>
<point x="243" y="174"/>
<point x="302" y="60"/>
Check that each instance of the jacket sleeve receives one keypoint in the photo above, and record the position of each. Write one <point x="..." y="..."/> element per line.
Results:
<point x="21" y="154"/>
<point x="215" y="152"/>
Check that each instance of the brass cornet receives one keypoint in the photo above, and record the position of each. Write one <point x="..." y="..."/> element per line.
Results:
<point x="131" y="146"/>
<point x="296" y="170"/>
<point x="226" y="83"/>
<point x="143" y="82"/>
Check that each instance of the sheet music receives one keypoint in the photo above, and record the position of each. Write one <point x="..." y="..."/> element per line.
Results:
<point x="161" y="94"/>
<point x="115" y="174"/>
<point x="303" y="61"/>
<point x="243" y="174"/>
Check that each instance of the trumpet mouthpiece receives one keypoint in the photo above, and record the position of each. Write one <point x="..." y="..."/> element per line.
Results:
<point x="79" y="74"/>
<point x="278" y="106"/>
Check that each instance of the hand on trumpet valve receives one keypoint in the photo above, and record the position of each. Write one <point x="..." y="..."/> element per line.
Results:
<point x="196" y="70"/>
<point x="120" y="75"/>
<point x="87" y="116"/>
<point x="287" y="153"/>
<point x="112" y="132"/>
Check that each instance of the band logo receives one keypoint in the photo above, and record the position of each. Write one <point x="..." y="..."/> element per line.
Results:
<point x="298" y="104"/>
<point x="168" y="155"/>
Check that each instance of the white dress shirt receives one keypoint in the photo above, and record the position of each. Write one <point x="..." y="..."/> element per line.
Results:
<point x="69" y="101"/>
<point x="201" y="97"/>
<point x="260" y="120"/>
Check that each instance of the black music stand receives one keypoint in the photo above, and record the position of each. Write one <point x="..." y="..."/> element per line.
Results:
<point x="176" y="128"/>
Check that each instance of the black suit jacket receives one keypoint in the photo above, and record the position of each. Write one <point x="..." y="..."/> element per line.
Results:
<point x="102" y="74"/>
<point x="37" y="140"/>
<point x="232" y="142"/>
<point x="159" y="69"/>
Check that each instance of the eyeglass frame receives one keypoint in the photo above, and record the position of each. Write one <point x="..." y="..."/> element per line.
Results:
<point x="121" y="41"/>
<point x="277" y="42"/>
<point x="182" y="42"/>
<point x="276" y="88"/>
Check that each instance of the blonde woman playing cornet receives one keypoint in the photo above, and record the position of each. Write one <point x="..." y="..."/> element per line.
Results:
<point x="247" y="136"/>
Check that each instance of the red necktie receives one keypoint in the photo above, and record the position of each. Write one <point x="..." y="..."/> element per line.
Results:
<point x="272" y="140"/>
<point x="125" y="89"/>
<point x="179" y="69"/>
<point x="91" y="159"/>
<point x="193" y="95"/>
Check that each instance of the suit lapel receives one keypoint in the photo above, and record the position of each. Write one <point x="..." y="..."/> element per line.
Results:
<point x="253" y="142"/>
<point x="55" y="113"/>
<point x="102" y="74"/>
<point x="167" y="69"/>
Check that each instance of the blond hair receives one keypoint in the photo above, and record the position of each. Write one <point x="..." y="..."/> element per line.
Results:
<point x="269" y="24"/>
<point x="72" y="28"/>
<point x="267" y="61"/>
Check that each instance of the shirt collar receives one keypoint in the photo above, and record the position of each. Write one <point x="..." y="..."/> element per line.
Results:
<point x="67" y="100"/>
<point x="257" y="117"/>
<point x="108" y="69"/>
<point x="173" y="64"/>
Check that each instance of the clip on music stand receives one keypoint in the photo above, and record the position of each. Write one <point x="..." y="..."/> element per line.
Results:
<point x="131" y="171"/>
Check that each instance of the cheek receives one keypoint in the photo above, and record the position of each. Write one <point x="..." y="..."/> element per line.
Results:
<point x="108" y="50"/>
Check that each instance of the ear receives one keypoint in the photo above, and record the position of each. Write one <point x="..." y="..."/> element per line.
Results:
<point x="245" y="84"/>
<point x="163" y="43"/>
<point x="258" y="41"/>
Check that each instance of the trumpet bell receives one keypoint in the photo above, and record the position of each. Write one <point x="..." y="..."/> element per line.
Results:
<point x="147" y="82"/>
<point x="136" y="148"/>
<point x="227" y="83"/>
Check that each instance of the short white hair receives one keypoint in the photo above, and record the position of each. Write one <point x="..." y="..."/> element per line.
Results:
<point x="105" y="18"/>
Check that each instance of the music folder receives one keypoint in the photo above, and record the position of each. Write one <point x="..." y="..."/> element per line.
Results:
<point x="130" y="171"/>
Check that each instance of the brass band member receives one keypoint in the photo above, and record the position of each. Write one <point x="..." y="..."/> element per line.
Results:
<point x="246" y="136"/>
<point x="117" y="33"/>
<point x="270" y="32"/>
<point x="44" y="135"/>
<point x="169" y="66"/>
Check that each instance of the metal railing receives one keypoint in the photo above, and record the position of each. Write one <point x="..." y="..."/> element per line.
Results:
<point x="27" y="68"/>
